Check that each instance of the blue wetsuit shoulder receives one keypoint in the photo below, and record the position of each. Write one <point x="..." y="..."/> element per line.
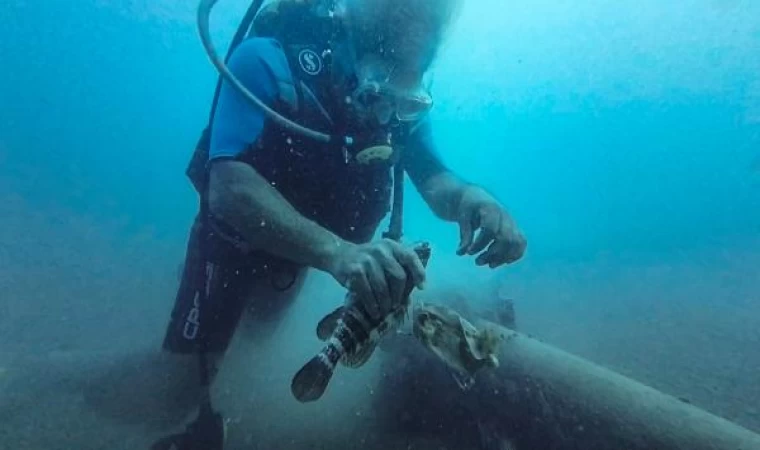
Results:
<point x="260" y="65"/>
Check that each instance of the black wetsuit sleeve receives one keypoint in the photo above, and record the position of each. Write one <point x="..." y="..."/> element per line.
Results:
<point x="420" y="157"/>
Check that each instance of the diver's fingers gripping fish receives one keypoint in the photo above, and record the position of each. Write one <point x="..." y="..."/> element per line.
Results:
<point x="353" y="338"/>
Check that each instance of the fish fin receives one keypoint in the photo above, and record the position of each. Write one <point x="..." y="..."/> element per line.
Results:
<point x="464" y="380"/>
<point x="327" y="325"/>
<point x="469" y="336"/>
<point x="360" y="357"/>
<point x="311" y="381"/>
<point x="480" y="344"/>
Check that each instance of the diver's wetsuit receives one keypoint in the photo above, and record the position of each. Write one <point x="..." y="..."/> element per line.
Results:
<point x="348" y="199"/>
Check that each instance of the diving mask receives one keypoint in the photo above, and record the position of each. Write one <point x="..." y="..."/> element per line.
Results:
<point x="385" y="92"/>
<point x="386" y="102"/>
<point x="381" y="107"/>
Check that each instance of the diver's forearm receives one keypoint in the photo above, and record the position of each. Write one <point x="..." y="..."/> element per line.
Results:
<point x="443" y="192"/>
<point x="268" y="222"/>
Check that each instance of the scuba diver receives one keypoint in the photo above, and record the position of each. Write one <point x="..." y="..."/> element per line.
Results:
<point x="321" y="109"/>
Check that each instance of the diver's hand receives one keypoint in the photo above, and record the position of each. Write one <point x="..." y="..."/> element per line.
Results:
<point x="479" y="210"/>
<point x="377" y="273"/>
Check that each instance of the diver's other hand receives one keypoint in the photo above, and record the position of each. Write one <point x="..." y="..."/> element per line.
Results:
<point x="376" y="272"/>
<point x="478" y="210"/>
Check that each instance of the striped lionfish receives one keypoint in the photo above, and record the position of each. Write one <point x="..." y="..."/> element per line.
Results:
<point x="352" y="337"/>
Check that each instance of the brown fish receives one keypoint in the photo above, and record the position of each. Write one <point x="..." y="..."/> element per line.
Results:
<point x="461" y="345"/>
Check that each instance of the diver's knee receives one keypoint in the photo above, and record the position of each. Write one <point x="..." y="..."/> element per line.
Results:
<point x="187" y="365"/>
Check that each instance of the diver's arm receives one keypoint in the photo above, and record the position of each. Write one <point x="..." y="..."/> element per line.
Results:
<point x="443" y="193"/>
<point x="440" y="187"/>
<point x="453" y="199"/>
<point x="475" y="210"/>
<point x="238" y="194"/>
<point x="376" y="272"/>
<point x="242" y="198"/>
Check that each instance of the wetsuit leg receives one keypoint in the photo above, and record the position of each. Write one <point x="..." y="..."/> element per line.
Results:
<point x="218" y="282"/>
<point x="210" y="299"/>
<point x="213" y="294"/>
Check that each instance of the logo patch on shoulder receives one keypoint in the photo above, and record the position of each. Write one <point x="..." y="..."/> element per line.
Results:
<point x="310" y="62"/>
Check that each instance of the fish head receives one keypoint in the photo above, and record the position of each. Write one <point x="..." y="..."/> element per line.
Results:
<point x="456" y="341"/>
<point x="432" y="324"/>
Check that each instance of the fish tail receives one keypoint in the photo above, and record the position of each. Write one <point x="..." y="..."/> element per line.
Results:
<point x="311" y="381"/>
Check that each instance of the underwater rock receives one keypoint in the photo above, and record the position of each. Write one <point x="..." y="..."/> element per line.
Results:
<point x="540" y="397"/>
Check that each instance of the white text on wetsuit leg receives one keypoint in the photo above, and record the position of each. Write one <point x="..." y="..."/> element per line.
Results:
<point x="192" y="323"/>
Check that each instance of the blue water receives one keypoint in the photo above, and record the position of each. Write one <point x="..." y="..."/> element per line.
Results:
<point x="623" y="136"/>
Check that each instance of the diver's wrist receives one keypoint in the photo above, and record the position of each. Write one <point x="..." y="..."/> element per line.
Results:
<point x="327" y="254"/>
<point x="461" y="193"/>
